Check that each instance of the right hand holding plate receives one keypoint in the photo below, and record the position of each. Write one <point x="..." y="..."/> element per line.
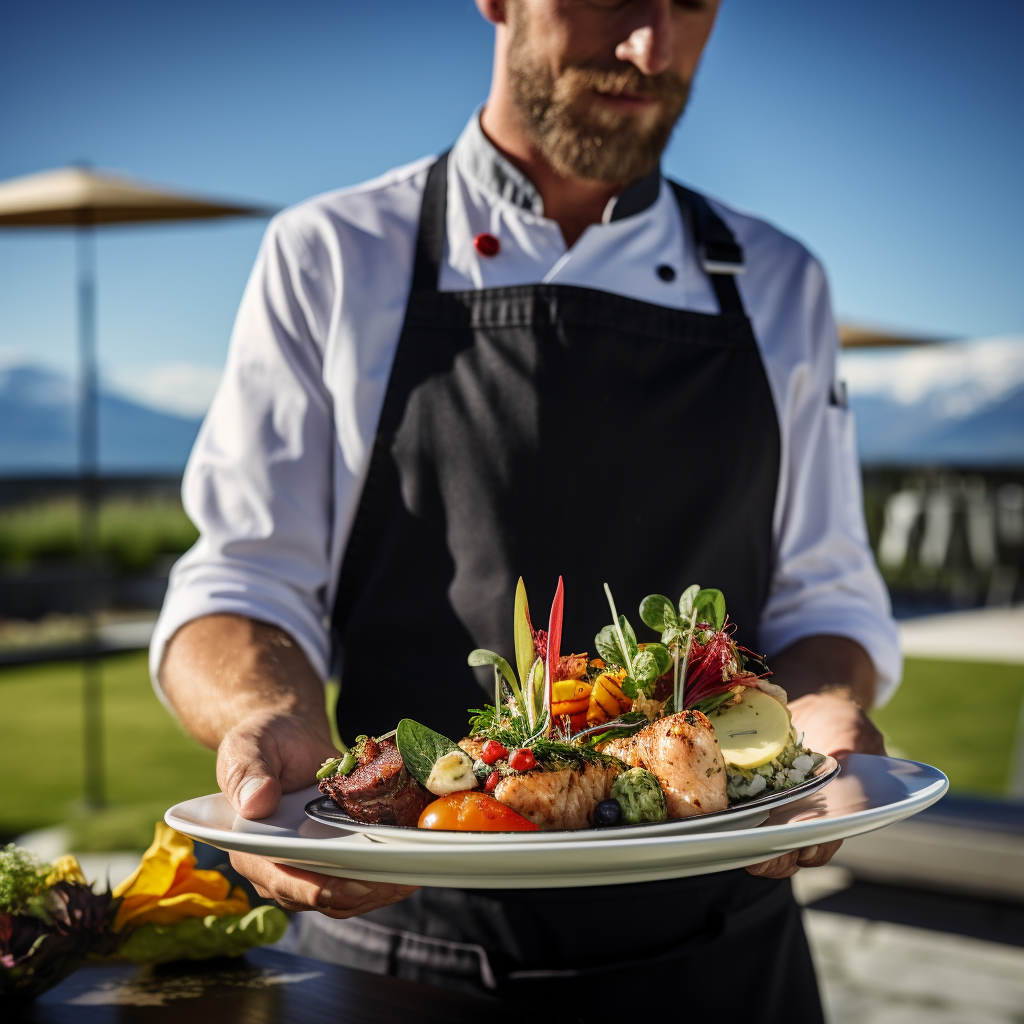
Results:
<point x="263" y="756"/>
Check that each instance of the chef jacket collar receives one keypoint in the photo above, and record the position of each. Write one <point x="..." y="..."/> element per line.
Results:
<point x="479" y="158"/>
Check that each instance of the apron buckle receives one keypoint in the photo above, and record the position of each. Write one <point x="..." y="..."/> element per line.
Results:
<point x="722" y="258"/>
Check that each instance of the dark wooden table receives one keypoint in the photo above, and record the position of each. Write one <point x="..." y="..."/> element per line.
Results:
<point x="263" y="987"/>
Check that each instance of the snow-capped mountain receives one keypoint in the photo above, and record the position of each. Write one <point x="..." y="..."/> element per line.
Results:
<point x="958" y="403"/>
<point x="38" y="428"/>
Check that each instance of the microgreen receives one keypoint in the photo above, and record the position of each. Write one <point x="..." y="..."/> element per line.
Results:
<point x="678" y="630"/>
<point x="617" y="645"/>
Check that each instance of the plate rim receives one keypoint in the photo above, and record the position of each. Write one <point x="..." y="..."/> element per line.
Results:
<point x="924" y="797"/>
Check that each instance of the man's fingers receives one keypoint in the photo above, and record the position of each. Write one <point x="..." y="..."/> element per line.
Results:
<point x="778" y="867"/>
<point x="817" y="856"/>
<point x="790" y="863"/>
<point x="246" y="776"/>
<point x="295" y="889"/>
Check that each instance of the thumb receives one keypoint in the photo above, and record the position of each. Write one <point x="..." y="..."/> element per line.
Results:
<point x="249" y="773"/>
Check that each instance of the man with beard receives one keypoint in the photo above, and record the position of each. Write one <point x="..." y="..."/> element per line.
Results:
<point x="534" y="355"/>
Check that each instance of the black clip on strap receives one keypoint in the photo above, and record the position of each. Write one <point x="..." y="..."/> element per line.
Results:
<point x="720" y="254"/>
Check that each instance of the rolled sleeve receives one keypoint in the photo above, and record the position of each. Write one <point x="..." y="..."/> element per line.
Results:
<point x="825" y="580"/>
<point x="258" y="483"/>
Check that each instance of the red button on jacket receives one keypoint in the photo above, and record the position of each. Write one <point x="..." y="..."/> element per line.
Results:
<point x="486" y="245"/>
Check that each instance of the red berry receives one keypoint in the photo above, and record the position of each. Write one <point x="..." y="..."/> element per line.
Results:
<point x="522" y="760"/>
<point x="493" y="751"/>
<point x="492" y="780"/>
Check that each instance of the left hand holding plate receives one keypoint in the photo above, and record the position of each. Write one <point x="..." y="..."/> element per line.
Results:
<point x="831" y="724"/>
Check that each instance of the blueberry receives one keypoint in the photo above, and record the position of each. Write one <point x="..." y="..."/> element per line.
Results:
<point x="607" y="812"/>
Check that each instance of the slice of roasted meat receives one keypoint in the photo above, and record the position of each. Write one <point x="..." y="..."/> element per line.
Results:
<point x="682" y="751"/>
<point x="379" y="790"/>
<point x="562" y="799"/>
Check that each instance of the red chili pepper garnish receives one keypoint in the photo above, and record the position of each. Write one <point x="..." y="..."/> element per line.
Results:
<point x="492" y="780"/>
<point x="493" y="751"/>
<point x="522" y="760"/>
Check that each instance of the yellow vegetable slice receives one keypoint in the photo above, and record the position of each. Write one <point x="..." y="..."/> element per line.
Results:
<point x="752" y="732"/>
<point x="564" y="689"/>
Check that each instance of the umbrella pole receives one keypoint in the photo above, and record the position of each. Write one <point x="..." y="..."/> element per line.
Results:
<point x="88" y="461"/>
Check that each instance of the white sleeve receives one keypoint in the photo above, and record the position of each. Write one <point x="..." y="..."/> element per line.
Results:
<point x="258" y="482"/>
<point x="825" y="580"/>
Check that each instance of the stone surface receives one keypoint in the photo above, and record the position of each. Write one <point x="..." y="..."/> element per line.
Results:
<point x="872" y="972"/>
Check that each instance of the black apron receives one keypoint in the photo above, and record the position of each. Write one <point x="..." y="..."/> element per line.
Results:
<point x="546" y="430"/>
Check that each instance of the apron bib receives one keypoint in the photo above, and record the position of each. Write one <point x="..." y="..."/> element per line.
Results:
<point x="538" y="431"/>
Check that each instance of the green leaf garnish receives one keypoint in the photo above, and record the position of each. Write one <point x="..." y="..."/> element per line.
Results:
<point x="658" y="612"/>
<point x="421" y="748"/>
<point x="522" y="635"/>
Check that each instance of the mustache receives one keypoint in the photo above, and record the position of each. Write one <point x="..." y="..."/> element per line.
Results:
<point x="627" y="80"/>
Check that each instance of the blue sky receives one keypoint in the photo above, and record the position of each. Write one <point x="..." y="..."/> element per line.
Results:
<point x="887" y="136"/>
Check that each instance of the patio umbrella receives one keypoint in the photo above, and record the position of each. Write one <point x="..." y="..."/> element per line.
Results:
<point x="82" y="198"/>
<point x="853" y="336"/>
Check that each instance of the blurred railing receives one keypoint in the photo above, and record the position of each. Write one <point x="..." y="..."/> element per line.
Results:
<point x="946" y="538"/>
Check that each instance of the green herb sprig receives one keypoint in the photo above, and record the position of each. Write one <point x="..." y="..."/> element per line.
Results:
<point x="617" y="645"/>
<point x="513" y="733"/>
<point x="678" y="630"/>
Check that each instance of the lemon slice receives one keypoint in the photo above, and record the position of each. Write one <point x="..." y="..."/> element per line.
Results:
<point x="752" y="732"/>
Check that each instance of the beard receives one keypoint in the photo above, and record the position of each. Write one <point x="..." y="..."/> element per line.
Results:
<point x="584" y="138"/>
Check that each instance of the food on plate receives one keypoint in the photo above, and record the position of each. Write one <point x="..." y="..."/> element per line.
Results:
<point x="473" y="812"/>
<point x="645" y="731"/>
<point x="564" y="798"/>
<point x="752" y="732"/>
<point x="682" y="752"/>
<point x="377" y="787"/>
<point x="640" y="797"/>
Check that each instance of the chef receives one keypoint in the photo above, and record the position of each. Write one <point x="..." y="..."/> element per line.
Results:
<point x="533" y="355"/>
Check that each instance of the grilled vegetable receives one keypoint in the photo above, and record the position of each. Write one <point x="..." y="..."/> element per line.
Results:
<point x="607" y="699"/>
<point x="473" y="812"/>
<point x="639" y="795"/>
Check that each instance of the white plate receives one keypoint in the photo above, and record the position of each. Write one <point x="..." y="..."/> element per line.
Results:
<point x="745" y="815"/>
<point x="871" y="792"/>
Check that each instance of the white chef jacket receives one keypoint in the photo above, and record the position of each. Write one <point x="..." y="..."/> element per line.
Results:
<point x="276" y="473"/>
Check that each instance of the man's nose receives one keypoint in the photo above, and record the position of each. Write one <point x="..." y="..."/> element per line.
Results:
<point x="649" y="45"/>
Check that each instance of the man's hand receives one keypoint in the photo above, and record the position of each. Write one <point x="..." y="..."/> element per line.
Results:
<point x="827" y="678"/>
<point x="247" y="689"/>
<point x="258" y="760"/>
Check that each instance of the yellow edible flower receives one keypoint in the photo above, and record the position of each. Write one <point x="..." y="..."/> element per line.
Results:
<point x="66" y="869"/>
<point x="166" y="887"/>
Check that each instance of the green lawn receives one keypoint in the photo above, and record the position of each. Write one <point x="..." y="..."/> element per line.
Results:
<point x="958" y="716"/>
<point x="133" y="533"/>
<point x="150" y="764"/>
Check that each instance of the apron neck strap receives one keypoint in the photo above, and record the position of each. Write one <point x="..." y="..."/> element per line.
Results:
<point x="717" y="249"/>
<point x="431" y="234"/>
<point x="720" y="255"/>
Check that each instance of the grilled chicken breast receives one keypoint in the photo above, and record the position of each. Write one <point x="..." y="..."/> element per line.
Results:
<point x="682" y="751"/>
<point x="562" y="799"/>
